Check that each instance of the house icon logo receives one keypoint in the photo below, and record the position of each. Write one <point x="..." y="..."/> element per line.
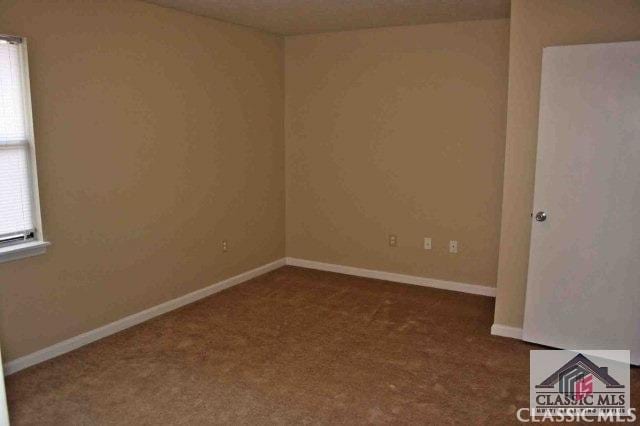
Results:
<point x="591" y="383"/>
<point x="575" y="378"/>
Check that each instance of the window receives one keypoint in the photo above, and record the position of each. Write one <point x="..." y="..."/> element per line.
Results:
<point x="20" y="225"/>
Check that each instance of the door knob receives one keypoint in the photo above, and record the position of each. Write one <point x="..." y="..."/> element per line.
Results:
<point x="541" y="216"/>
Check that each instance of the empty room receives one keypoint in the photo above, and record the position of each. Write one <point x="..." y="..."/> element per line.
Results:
<point x="319" y="211"/>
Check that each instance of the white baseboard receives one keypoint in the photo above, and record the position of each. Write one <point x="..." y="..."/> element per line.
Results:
<point x="126" y="322"/>
<point x="137" y="318"/>
<point x="391" y="276"/>
<point x="506" y="331"/>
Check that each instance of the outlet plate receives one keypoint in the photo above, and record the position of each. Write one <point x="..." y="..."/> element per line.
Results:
<point x="393" y="240"/>
<point x="225" y="246"/>
<point x="427" y="243"/>
<point x="453" y="246"/>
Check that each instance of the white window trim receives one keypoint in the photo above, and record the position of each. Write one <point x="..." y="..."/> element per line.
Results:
<point x="38" y="245"/>
<point x="20" y="251"/>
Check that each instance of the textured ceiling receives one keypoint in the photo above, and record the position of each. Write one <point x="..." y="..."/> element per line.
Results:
<point x="313" y="16"/>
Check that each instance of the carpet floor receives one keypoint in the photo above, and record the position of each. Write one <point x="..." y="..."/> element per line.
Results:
<point x="292" y="346"/>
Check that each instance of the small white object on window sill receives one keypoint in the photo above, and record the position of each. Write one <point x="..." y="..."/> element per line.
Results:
<point x="19" y="251"/>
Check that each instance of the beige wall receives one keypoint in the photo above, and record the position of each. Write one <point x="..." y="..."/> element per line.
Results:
<point x="398" y="131"/>
<point x="158" y="134"/>
<point x="534" y="25"/>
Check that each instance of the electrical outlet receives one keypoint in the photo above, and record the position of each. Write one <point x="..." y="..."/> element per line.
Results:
<point x="453" y="246"/>
<point x="427" y="243"/>
<point x="225" y="246"/>
<point x="393" y="240"/>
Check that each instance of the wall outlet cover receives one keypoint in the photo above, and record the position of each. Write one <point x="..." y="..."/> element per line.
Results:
<point x="427" y="243"/>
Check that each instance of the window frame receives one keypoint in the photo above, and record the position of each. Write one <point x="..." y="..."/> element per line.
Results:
<point x="37" y="245"/>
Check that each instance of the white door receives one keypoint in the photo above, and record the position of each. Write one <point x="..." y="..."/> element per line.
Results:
<point x="583" y="288"/>
<point x="4" y="413"/>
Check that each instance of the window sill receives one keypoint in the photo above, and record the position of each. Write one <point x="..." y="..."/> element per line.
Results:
<point x="20" y="251"/>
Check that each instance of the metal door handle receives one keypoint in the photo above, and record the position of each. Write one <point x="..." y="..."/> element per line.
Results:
<point x="541" y="216"/>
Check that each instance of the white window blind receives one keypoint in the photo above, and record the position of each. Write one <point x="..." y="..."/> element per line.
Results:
<point x="16" y="193"/>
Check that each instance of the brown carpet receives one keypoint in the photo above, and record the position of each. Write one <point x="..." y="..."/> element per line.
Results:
<point x="292" y="346"/>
